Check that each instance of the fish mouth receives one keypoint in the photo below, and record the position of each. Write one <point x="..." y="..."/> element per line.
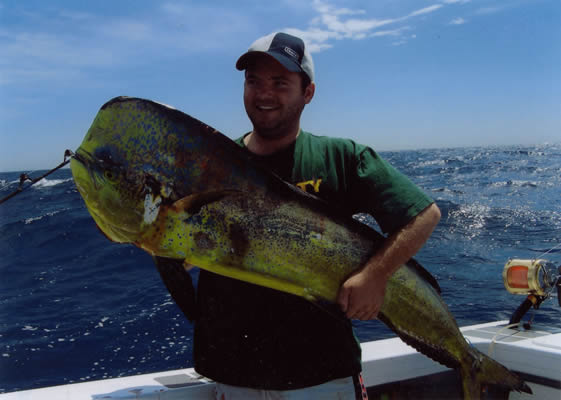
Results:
<point x="82" y="159"/>
<point x="82" y="156"/>
<point x="80" y="164"/>
<point x="78" y="156"/>
<point x="81" y="167"/>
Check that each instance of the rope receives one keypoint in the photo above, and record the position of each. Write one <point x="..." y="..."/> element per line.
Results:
<point x="550" y="250"/>
<point x="491" y="349"/>
<point x="24" y="177"/>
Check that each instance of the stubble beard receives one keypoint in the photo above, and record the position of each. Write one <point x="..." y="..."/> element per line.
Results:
<point x="284" y="125"/>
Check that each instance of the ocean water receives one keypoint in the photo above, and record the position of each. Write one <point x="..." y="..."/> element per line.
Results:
<point x="76" y="307"/>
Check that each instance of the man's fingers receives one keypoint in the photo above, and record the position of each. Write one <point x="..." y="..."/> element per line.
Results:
<point x="354" y="306"/>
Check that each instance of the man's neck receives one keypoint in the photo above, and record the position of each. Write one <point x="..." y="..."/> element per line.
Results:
<point x="264" y="146"/>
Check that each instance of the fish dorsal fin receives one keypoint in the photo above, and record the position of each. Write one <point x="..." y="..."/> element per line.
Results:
<point x="423" y="273"/>
<point x="192" y="204"/>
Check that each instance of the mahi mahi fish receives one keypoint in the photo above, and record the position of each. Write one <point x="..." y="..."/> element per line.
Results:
<point x="155" y="177"/>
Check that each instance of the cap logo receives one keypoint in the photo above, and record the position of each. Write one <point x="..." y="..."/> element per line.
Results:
<point x="291" y="52"/>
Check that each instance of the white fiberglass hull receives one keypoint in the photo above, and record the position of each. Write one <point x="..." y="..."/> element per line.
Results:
<point x="389" y="366"/>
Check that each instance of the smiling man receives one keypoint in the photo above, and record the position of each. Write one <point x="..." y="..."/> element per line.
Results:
<point x="260" y="343"/>
<point x="274" y="99"/>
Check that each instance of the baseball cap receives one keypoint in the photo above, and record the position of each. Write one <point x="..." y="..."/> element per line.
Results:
<point x="290" y="51"/>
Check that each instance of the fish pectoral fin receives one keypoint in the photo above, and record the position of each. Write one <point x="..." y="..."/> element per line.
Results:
<point x="192" y="204"/>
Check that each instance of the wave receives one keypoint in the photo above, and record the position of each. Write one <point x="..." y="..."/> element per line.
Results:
<point x="517" y="226"/>
<point x="427" y="163"/>
<point x="12" y="185"/>
<point x="517" y="183"/>
<point x="49" y="214"/>
<point x="4" y="183"/>
<point x="446" y="190"/>
<point x="45" y="183"/>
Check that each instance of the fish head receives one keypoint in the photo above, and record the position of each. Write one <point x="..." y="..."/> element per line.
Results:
<point x="116" y="208"/>
<point x="121" y="172"/>
<point x="140" y="157"/>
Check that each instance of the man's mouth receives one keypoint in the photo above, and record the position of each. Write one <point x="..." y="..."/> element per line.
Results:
<point x="266" y="108"/>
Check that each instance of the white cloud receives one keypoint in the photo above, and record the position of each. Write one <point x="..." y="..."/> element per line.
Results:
<point x="334" y="23"/>
<point x="317" y="39"/>
<point x="66" y="44"/>
<point x="455" y="1"/>
<point x="325" y="8"/>
<point x="457" y="21"/>
<point x="425" y="10"/>
<point x="340" y="28"/>
<point x="393" y="32"/>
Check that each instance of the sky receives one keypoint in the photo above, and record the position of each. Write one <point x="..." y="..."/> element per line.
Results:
<point x="391" y="74"/>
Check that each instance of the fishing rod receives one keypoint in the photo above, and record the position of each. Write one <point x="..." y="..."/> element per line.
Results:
<point x="68" y="154"/>
<point x="536" y="278"/>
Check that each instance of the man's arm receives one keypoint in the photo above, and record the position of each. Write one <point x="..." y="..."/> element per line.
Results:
<point x="361" y="296"/>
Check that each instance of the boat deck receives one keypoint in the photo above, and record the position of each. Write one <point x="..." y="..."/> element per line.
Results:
<point x="535" y="354"/>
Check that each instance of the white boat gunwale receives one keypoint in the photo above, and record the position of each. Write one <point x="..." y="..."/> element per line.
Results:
<point x="534" y="354"/>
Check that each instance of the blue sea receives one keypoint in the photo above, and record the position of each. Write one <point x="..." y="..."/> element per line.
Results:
<point x="75" y="307"/>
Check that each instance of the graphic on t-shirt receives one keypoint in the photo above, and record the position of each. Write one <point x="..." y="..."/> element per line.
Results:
<point x="313" y="183"/>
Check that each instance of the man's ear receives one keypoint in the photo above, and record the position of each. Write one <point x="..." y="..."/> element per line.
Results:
<point x="309" y="92"/>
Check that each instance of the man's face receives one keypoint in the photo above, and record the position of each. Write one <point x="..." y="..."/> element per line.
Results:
<point x="274" y="98"/>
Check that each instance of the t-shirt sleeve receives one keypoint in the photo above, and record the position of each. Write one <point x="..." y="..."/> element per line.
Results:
<point x="385" y="193"/>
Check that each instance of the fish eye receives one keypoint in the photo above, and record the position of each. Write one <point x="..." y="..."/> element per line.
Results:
<point x="109" y="175"/>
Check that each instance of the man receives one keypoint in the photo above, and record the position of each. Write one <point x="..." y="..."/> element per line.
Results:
<point x="256" y="342"/>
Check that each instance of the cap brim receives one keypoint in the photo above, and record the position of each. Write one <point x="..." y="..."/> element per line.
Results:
<point x="246" y="59"/>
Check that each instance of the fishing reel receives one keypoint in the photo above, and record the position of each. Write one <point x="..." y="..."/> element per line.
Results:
<point x="537" y="279"/>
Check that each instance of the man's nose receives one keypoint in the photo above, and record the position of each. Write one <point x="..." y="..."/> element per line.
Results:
<point x="265" y="91"/>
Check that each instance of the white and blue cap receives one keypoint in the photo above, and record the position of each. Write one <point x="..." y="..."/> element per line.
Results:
<point x="290" y="51"/>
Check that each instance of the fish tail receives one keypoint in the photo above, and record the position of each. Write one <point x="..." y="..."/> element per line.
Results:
<point x="482" y="371"/>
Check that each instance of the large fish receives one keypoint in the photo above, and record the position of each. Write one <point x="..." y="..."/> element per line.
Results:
<point x="155" y="177"/>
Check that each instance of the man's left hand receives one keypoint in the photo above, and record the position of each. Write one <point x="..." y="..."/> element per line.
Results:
<point x="361" y="296"/>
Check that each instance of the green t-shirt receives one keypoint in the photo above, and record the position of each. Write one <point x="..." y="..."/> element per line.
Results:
<point x="252" y="336"/>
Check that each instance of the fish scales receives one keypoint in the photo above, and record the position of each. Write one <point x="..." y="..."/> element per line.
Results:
<point x="155" y="177"/>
